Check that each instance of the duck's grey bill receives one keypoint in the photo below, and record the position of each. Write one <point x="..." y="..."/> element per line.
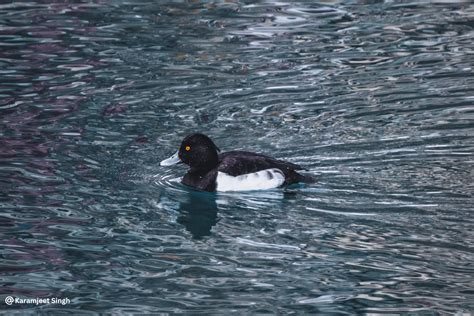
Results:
<point x="171" y="160"/>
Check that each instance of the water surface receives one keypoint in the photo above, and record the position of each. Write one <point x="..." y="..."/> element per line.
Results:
<point x="375" y="99"/>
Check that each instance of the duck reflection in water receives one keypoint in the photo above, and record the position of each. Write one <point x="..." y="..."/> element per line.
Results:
<point x="198" y="209"/>
<point x="198" y="213"/>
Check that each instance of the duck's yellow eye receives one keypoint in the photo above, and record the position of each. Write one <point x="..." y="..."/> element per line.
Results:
<point x="187" y="148"/>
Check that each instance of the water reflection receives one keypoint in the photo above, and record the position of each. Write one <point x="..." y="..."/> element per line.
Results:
<point x="199" y="210"/>
<point x="198" y="213"/>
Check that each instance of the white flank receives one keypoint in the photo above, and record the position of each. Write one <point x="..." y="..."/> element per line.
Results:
<point x="261" y="180"/>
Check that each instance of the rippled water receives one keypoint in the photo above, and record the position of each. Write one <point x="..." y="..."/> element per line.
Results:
<point x="375" y="99"/>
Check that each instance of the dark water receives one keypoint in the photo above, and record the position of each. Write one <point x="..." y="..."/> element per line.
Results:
<point x="375" y="99"/>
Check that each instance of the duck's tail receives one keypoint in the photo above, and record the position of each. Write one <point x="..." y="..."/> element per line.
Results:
<point x="295" y="177"/>
<point x="305" y="178"/>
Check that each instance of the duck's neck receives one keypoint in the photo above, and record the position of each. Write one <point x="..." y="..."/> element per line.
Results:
<point x="204" y="165"/>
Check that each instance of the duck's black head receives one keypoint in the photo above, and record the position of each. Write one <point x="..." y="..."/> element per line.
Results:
<point x="197" y="151"/>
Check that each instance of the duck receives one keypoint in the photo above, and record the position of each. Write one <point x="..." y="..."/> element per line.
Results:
<point x="210" y="170"/>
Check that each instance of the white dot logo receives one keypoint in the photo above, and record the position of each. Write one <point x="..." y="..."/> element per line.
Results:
<point x="9" y="300"/>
